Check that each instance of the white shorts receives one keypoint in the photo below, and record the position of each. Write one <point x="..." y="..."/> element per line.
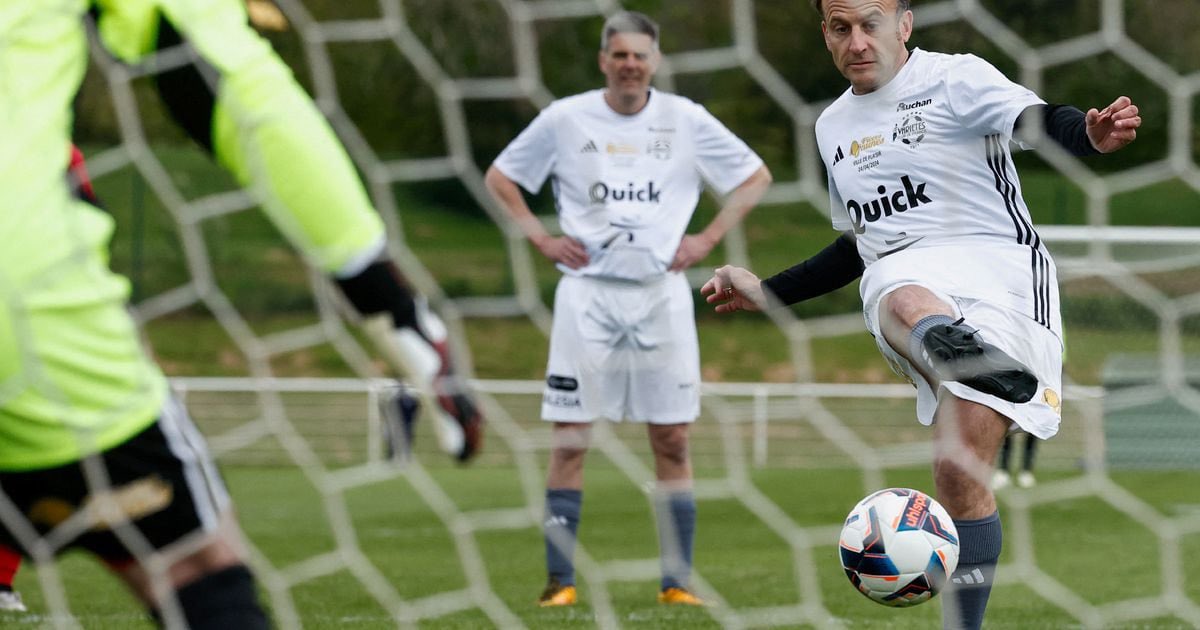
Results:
<point x="1017" y="335"/>
<point x="623" y="350"/>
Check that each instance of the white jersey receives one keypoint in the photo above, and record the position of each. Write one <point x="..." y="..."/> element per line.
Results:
<point x="920" y="169"/>
<point x="626" y="186"/>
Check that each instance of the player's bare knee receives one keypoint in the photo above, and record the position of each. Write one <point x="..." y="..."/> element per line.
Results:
<point x="568" y="457"/>
<point x="670" y="443"/>
<point x="675" y="455"/>
<point x="568" y="436"/>
<point x="906" y="305"/>
<point x="981" y="428"/>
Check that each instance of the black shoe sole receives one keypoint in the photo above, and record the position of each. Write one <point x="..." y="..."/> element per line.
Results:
<point x="956" y="353"/>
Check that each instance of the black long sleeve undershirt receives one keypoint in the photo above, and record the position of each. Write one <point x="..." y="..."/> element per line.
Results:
<point x="829" y="270"/>
<point x="1065" y="125"/>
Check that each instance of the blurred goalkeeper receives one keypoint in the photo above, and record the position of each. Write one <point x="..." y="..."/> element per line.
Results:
<point x="958" y="289"/>
<point x="240" y="102"/>
<point x="627" y="164"/>
<point x="94" y="452"/>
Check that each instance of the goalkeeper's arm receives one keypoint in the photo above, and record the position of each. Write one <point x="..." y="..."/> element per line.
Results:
<point x="242" y="104"/>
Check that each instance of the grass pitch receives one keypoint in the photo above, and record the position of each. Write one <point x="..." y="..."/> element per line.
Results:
<point x="749" y="566"/>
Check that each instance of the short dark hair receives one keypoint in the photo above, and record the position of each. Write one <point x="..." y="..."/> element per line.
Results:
<point x="819" y="5"/>
<point x="628" y="22"/>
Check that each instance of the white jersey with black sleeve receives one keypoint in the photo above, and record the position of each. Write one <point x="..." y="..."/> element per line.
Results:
<point x="920" y="170"/>
<point x="626" y="186"/>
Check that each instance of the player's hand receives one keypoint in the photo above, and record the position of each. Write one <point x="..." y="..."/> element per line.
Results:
<point x="1113" y="127"/>
<point x="692" y="249"/>
<point x="563" y="249"/>
<point x="734" y="289"/>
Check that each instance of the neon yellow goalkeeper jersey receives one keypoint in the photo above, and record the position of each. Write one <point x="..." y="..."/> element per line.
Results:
<point x="73" y="376"/>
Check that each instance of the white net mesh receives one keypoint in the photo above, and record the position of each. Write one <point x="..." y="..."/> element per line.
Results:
<point x="329" y="430"/>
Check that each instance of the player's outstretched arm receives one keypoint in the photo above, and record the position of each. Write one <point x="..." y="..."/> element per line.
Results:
<point x="560" y="249"/>
<point x="694" y="247"/>
<point x="1115" y="126"/>
<point x="734" y="289"/>
<point x="1097" y="131"/>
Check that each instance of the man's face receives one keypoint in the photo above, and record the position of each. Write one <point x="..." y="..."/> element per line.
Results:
<point x="628" y="64"/>
<point x="867" y="39"/>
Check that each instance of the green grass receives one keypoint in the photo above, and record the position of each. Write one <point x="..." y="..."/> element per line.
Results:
<point x="747" y="563"/>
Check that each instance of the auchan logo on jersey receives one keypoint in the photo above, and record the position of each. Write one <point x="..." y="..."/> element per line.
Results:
<point x="601" y="193"/>
<point x="888" y="203"/>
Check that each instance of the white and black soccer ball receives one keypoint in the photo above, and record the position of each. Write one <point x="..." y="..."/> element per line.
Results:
<point x="898" y="547"/>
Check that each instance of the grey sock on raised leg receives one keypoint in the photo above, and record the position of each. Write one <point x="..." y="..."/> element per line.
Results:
<point x="917" y="336"/>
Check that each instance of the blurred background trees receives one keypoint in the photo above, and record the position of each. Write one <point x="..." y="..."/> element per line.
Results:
<point x="396" y="110"/>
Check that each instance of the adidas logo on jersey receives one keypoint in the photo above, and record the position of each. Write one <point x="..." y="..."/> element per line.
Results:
<point x="590" y="147"/>
<point x="887" y="204"/>
<point x="839" y="156"/>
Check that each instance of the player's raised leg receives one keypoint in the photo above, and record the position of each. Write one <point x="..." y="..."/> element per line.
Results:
<point x="944" y="348"/>
<point x="675" y="511"/>
<point x="564" y="504"/>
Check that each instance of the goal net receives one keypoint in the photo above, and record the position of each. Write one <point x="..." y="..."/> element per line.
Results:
<point x="424" y="93"/>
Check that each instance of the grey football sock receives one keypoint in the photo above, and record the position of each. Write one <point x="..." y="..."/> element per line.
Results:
<point x="676" y="513"/>
<point x="562" y="522"/>
<point x="970" y="585"/>
<point x="915" y="348"/>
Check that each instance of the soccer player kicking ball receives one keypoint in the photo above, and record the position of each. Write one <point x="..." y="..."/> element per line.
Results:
<point x="958" y="290"/>
<point x="627" y="163"/>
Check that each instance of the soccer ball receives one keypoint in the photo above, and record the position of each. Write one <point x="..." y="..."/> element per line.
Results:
<point x="898" y="546"/>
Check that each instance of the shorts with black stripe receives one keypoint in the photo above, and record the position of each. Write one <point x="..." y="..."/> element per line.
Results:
<point x="163" y="478"/>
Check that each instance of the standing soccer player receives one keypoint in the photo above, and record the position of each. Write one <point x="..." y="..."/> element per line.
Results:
<point x="626" y="164"/>
<point x="94" y="452"/>
<point x="958" y="290"/>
